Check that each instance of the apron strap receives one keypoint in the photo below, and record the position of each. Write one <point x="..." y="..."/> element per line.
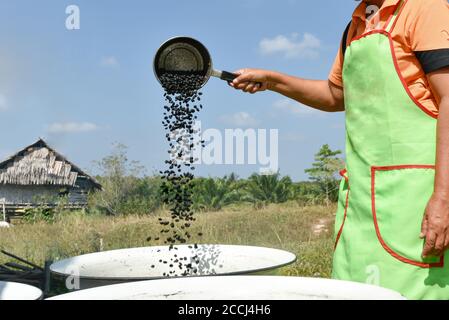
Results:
<point x="392" y="21"/>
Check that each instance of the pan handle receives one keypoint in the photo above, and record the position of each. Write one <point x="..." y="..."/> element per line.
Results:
<point x="223" y="75"/>
<point x="228" y="76"/>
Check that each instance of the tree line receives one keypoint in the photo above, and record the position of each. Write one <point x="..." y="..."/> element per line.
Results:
<point x="127" y="190"/>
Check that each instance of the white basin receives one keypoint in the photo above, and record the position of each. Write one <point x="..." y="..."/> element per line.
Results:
<point x="18" y="291"/>
<point x="118" y="266"/>
<point x="236" y="288"/>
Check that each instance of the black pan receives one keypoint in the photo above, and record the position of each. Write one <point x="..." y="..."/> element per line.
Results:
<point x="187" y="55"/>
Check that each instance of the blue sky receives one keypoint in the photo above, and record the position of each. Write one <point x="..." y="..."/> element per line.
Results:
<point x="84" y="89"/>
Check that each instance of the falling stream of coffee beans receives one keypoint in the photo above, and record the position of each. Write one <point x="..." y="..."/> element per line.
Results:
<point x="183" y="103"/>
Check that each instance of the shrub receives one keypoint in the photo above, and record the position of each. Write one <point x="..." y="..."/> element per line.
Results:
<point x="126" y="190"/>
<point x="325" y="170"/>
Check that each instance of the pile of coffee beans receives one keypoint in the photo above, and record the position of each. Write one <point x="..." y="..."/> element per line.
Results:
<point x="182" y="98"/>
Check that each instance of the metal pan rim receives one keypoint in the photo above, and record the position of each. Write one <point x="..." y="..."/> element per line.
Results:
<point x="209" y="71"/>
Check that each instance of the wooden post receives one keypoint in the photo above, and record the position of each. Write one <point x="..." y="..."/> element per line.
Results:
<point x="4" y="209"/>
<point x="47" y="278"/>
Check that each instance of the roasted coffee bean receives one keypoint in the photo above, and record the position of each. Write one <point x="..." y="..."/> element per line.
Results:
<point x="182" y="105"/>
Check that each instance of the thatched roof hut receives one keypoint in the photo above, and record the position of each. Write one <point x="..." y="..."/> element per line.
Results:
<point x="39" y="172"/>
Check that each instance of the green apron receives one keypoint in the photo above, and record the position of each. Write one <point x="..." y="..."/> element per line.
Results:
<point x="391" y="147"/>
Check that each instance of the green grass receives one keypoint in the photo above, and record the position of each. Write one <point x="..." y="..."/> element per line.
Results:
<point x="287" y="226"/>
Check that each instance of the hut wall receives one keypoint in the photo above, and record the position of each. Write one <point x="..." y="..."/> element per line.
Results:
<point x="20" y="195"/>
<point x="78" y="196"/>
<point x="31" y="195"/>
<point x="79" y="193"/>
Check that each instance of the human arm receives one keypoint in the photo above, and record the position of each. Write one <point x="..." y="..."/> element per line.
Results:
<point x="435" y="228"/>
<point x="318" y="94"/>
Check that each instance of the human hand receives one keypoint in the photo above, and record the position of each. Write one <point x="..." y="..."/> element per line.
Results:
<point x="252" y="80"/>
<point x="435" y="226"/>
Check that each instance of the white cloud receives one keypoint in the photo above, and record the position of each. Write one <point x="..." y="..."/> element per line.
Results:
<point x="295" y="108"/>
<point x="293" y="46"/>
<point x="239" y="119"/>
<point x="71" y="127"/>
<point x="3" y="103"/>
<point x="110" y="61"/>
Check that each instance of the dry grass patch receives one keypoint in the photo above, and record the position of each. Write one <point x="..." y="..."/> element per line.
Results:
<point x="287" y="226"/>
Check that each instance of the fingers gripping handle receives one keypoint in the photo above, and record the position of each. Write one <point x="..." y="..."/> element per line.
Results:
<point x="228" y="76"/>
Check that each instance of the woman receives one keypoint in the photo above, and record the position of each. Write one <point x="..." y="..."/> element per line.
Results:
<point x="391" y="77"/>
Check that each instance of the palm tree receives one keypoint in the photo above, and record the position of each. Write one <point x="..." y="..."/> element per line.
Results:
<point x="269" y="188"/>
<point x="214" y="194"/>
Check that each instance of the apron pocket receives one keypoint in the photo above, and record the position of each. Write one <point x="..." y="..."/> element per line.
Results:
<point x="343" y="203"/>
<point x="399" y="196"/>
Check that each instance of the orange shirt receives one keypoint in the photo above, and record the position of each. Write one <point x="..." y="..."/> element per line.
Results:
<point x="422" y="25"/>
